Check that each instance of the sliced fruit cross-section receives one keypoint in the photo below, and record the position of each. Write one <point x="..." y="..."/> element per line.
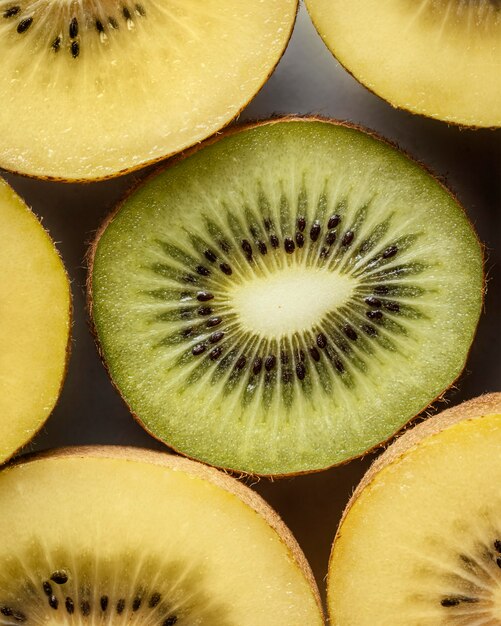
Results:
<point x="285" y="298"/>
<point x="131" y="537"/>
<point x="35" y="316"/>
<point x="420" y="541"/>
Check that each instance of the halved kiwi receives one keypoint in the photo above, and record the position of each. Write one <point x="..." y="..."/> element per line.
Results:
<point x="285" y="298"/>
<point x="439" y="58"/>
<point x="35" y="314"/>
<point x="128" y="536"/>
<point x="420" y="540"/>
<point x="93" y="89"/>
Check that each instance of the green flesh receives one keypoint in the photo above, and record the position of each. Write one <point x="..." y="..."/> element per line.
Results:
<point x="348" y="377"/>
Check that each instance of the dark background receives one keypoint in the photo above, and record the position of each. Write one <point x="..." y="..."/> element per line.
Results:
<point x="308" y="80"/>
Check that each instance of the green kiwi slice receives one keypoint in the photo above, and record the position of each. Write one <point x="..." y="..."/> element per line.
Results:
<point x="126" y="536"/>
<point x="420" y="540"/>
<point x="438" y="58"/>
<point x="93" y="89"/>
<point x="285" y="298"/>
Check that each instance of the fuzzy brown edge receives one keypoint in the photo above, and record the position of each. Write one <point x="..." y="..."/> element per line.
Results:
<point x="201" y="471"/>
<point x="453" y="123"/>
<point x="487" y="404"/>
<point x="168" y="155"/>
<point x="69" y="344"/>
<point x="211" y="140"/>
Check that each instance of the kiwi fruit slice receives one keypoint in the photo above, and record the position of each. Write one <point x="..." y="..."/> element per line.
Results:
<point x="434" y="57"/>
<point x="286" y="297"/>
<point x="420" y="541"/>
<point x="129" y="536"/>
<point x="35" y="313"/>
<point x="93" y="89"/>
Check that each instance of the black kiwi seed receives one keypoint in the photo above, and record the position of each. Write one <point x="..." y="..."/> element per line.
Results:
<point x="267" y="223"/>
<point x="447" y="602"/>
<point x="350" y="332"/>
<point x="261" y="246"/>
<point x="301" y="224"/>
<point x="289" y="245"/>
<point x="216" y="353"/>
<point x="224" y="245"/>
<point x="56" y="44"/>
<point x="170" y="621"/>
<point x="215" y="337"/>
<point x="53" y="603"/>
<point x="333" y="221"/>
<point x="200" y="348"/>
<point x="321" y="340"/>
<point x="126" y="13"/>
<point x="497" y="546"/>
<point x="299" y="240"/>
<point x="339" y="365"/>
<point x="324" y="252"/>
<point x="498" y="562"/>
<point x="47" y="588"/>
<point x="381" y="290"/>
<point x="391" y="251"/>
<point x="204" y="296"/>
<point x="85" y="607"/>
<point x="315" y="354"/>
<point x="374" y="315"/>
<point x="23" y="25"/>
<point x="7" y="611"/>
<point x="75" y="49"/>
<point x="257" y="365"/>
<point x="300" y="371"/>
<point x="392" y="306"/>
<point x="59" y="577"/>
<point x="11" y="12"/>
<point x="205" y="310"/>
<point x="213" y="321"/>
<point x="331" y="237"/>
<point x="241" y="362"/>
<point x="315" y="231"/>
<point x="226" y="269"/>
<point x="154" y="600"/>
<point x="136" y="604"/>
<point x="202" y="270"/>
<point x="371" y="301"/>
<point x="247" y="248"/>
<point x="348" y="237"/>
<point x="274" y="241"/>
<point x="99" y="26"/>
<point x="270" y="362"/>
<point x="73" y="29"/>
<point x="70" y="606"/>
<point x="210" y="256"/>
<point x="369" y="330"/>
<point x="120" y="606"/>
<point x="104" y="601"/>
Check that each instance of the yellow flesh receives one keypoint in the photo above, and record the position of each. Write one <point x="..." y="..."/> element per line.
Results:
<point x="435" y="57"/>
<point x="34" y="323"/>
<point x="108" y="507"/>
<point x="153" y="87"/>
<point x="402" y="538"/>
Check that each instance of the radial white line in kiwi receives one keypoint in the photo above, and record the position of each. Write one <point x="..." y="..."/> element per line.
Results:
<point x="286" y="297"/>
<point x="93" y="89"/>
<point x="439" y="58"/>
<point x="127" y="536"/>
<point x="35" y="312"/>
<point x="420" y="541"/>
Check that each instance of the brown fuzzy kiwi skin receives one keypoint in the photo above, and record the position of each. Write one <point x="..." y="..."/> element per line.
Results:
<point x="91" y="253"/>
<point x="165" y="157"/>
<point x="199" y="470"/>
<point x="69" y="345"/>
<point x="488" y="404"/>
<point x="452" y="123"/>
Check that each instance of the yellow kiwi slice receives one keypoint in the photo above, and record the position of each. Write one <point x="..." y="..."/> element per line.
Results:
<point x="127" y="536"/>
<point x="420" y="540"/>
<point x="92" y="89"/>
<point x="35" y="316"/>
<point x="435" y="57"/>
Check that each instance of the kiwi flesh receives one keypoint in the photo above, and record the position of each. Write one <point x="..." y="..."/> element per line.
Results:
<point x="100" y="88"/>
<point x="285" y="298"/>
<point x="35" y="321"/>
<point x="420" y="541"/>
<point x="433" y="57"/>
<point x="129" y="536"/>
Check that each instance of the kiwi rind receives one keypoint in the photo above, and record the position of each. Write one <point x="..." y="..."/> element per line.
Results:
<point x="399" y="107"/>
<point x="90" y="256"/>
<point x="198" y="470"/>
<point x="188" y="149"/>
<point x="39" y="427"/>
